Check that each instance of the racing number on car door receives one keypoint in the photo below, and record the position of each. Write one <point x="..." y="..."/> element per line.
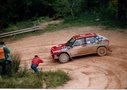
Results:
<point x="91" y="45"/>
<point x="77" y="47"/>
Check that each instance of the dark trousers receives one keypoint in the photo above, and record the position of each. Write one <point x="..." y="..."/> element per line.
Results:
<point x="4" y="65"/>
<point x="34" y="67"/>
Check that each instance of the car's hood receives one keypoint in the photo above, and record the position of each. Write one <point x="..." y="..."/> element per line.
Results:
<point x="58" y="47"/>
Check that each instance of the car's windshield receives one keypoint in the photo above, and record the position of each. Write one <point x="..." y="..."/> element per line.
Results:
<point x="70" y="42"/>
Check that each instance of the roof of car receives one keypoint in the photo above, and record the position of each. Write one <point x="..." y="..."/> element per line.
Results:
<point x="84" y="35"/>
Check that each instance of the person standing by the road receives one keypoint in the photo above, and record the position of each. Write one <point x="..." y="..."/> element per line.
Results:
<point x="35" y="62"/>
<point x="5" y="58"/>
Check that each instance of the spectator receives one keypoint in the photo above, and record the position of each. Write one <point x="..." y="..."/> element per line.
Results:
<point x="5" y="58"/>
<point x="35" y="62"/>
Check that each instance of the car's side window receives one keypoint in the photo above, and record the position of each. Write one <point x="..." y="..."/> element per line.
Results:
<point x="79" y="42"/>
<point x="90" y="40"/>
<point x="99" y="38"/>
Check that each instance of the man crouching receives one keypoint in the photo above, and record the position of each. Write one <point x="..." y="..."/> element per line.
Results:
<point x="35" y="62"/>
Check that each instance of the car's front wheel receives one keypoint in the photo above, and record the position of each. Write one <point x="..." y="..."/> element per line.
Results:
<point x="64" y="57"/>
<point x="102" y="51"/>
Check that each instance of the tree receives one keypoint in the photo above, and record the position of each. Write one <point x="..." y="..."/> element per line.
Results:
<point x="122" y="12"/>
<point x="67" y="7"/>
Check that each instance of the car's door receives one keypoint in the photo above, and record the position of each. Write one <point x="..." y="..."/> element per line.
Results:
<point x="91" y="45"/>
<point x="77" y="46"/>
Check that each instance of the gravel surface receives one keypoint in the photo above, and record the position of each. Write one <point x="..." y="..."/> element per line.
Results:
<point x="86" y="72"/>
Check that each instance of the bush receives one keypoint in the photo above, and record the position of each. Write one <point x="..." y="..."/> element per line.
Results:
<point x="49" y="79"/>
<point x="17" y="77"/>
<point x="3" y="24"/>
<point x="55" y="78"/>
<point x="13" y="68"/>
<point x="25" y="24"/>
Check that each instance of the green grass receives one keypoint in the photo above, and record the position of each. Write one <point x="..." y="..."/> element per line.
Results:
<point x="25" y="24"/>
<point x="93" y="19"/>
<point x="55" y="78"/>
<point x="17" y="77"/>
<point x="27" y="79"/>
<point x="87" y="19"/>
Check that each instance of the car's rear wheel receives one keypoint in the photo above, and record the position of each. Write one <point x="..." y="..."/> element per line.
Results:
<point x="102" y="51"/>
<point x="64" y="57"/>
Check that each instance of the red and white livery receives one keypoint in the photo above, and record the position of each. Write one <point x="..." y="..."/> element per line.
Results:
<point x="81" y="44"/>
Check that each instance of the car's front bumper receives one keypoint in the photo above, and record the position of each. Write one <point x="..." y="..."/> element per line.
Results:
<point x="54" y="56"/>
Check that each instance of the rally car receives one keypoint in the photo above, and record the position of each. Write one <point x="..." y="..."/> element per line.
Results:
<point x="81" y="44"/>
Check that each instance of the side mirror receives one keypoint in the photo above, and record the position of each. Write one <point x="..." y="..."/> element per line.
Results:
<point x="71" y="46"/>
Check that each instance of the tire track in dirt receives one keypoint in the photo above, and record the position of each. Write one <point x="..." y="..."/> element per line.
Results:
<point x="108" y="78"/>
<point x="113" y="75"/>
<point x="85" y="72"/>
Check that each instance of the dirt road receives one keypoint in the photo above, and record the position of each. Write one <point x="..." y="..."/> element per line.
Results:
<point x="86" y="72"/>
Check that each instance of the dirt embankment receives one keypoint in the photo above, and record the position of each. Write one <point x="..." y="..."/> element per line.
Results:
<point x="89" y="71"/>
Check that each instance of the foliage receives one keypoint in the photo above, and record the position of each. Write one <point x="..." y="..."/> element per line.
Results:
<point x="85" y="19"/>
<point x="122" y="12"/>
<point x="12" y="11"/>
<point x="17" y="77"/>
<point x="25" y="24"/>
<point x="67" y="7"/>
<point x="54" y="78"/>
<point x="14" y="66"/>
<point x="48" y="79"/>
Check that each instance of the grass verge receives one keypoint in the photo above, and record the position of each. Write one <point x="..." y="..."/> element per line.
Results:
<point x="25" y="24"/>
<point x="86" y="19"/>
<point x="27" y="79"/>
<point x="16" y="77"/>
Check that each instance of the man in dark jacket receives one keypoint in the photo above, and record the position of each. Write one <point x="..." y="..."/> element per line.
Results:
<point x="5" y="58"/>
<point x="35" y="62"/>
